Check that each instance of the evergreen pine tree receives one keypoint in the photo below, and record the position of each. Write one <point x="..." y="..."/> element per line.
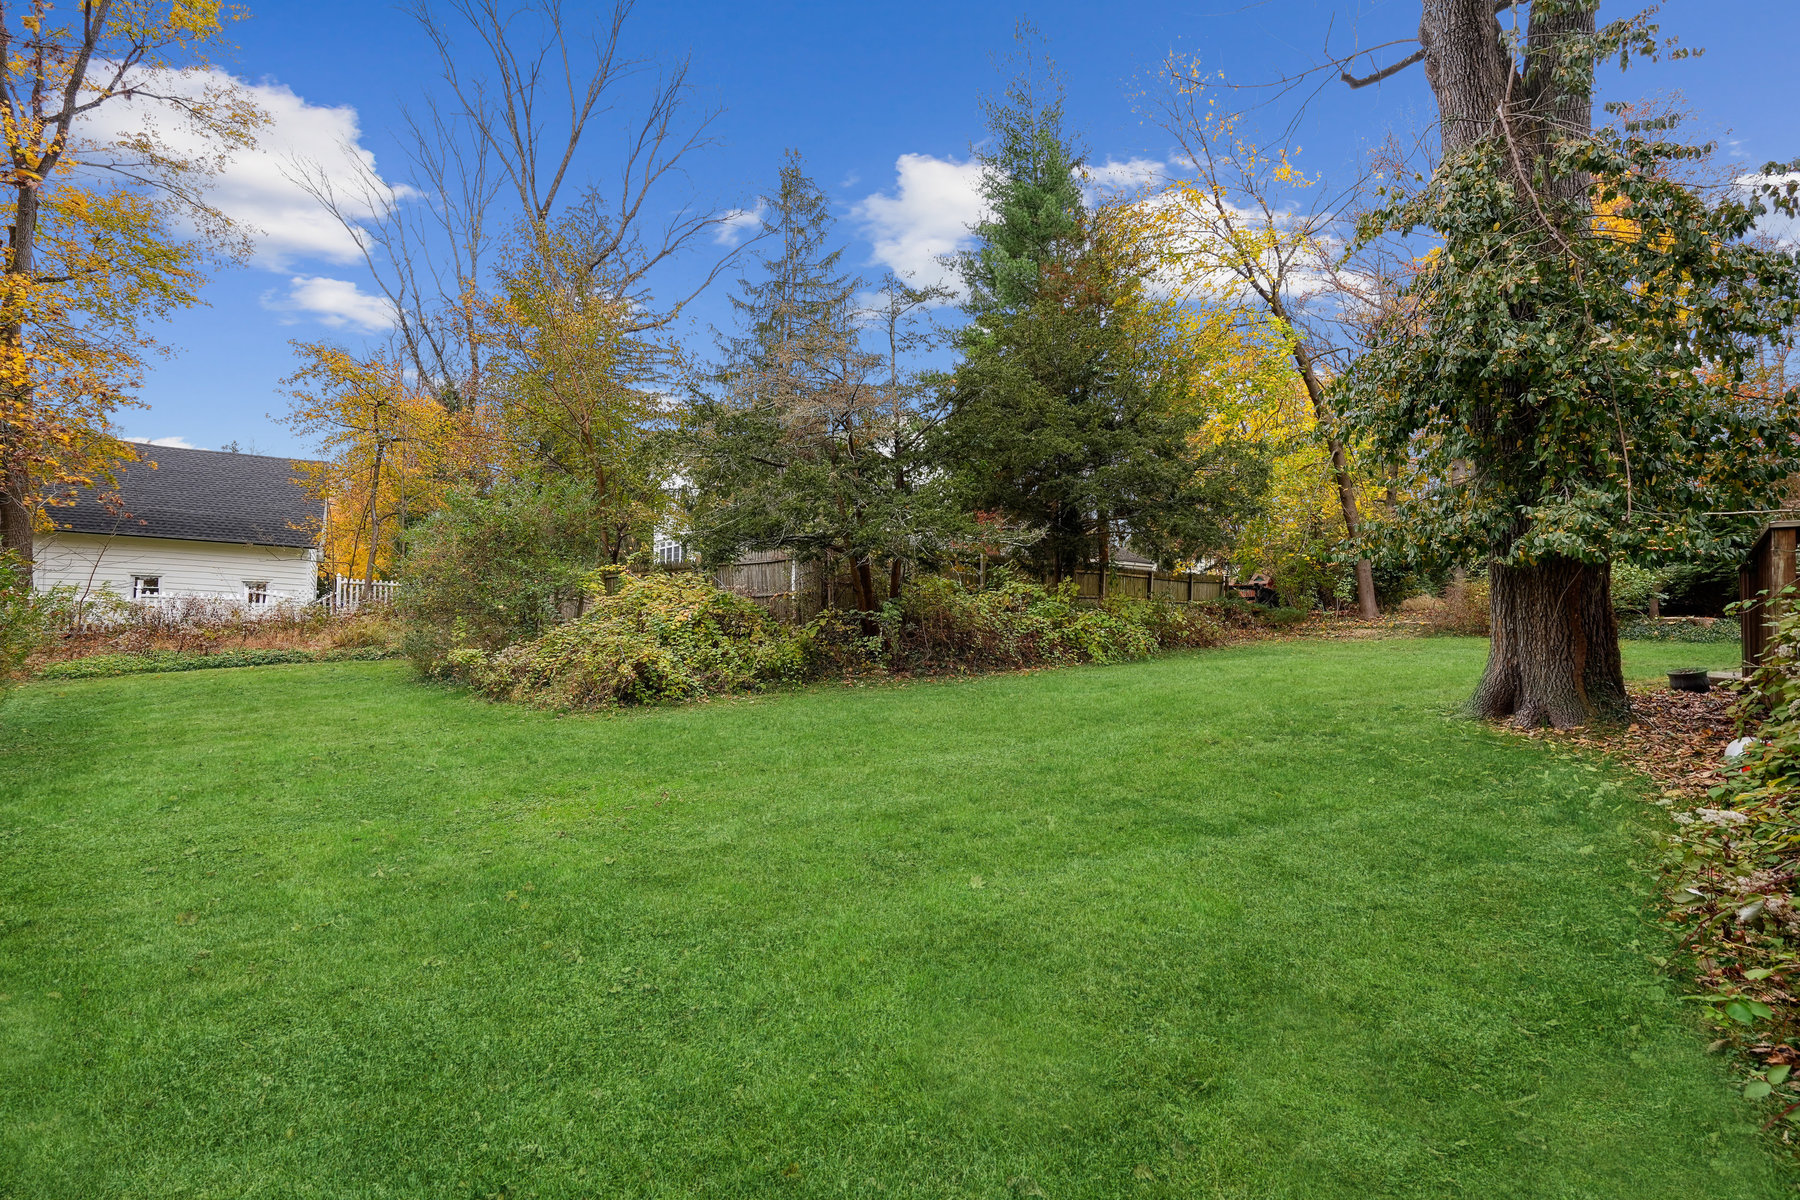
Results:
<point x="1059" y="415"/>
<point x="808" y="441"/>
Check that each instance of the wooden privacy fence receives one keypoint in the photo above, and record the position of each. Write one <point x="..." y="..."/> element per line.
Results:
<point x="1181" y="587"/>
<point x="1768" y="568"/>
<point x="792" y="590"/>
<point x="798" y="591"/>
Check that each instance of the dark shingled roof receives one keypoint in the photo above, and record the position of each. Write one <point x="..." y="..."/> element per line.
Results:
<point x="202" y="496"/>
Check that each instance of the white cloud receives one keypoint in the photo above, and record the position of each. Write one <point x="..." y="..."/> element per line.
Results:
<point x="1113" y="177"/>
<point x="928" y="215"/>
<point x="935" y="201"/>
<point x="258" y="187"/>
<point x="1774" y="224"/>
<point x="735" y="225"/>
<point x="179" y="443"/>
<point x="337" y="303"/>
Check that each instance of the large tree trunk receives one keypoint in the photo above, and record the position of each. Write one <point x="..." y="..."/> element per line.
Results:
<point x="1554" y="658"/>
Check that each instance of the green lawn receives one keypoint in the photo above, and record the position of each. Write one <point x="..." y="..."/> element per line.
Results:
<point x="1263" y="922"/>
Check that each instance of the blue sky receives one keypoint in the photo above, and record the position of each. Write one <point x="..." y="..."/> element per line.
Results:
<point x="881" y="99"/>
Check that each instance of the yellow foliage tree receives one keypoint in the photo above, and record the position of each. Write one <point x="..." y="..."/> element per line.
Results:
<point x="108" y="228"/>
<point x="1239" y="229"/>
<point x="1234" y="363"/>
<point x="574" y="369"/>
<point x="391" y="450"/>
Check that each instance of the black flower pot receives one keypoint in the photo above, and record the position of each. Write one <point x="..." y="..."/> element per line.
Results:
<point x="1691" y="680"/>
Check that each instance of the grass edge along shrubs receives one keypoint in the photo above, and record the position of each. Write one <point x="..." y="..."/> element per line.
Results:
<point x="670" y="638"/>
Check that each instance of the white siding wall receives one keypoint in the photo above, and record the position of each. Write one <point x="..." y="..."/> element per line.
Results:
<point x="186" y="568"/>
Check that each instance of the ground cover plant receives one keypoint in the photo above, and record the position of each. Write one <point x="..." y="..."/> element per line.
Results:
<point x="1732" y="867"/>
<point x="1259" y="921"/>
<point x="102" y="666"/>
<point x="1693" y="630"/>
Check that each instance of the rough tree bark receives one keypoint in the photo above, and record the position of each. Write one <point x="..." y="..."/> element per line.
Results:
<point x="1554" y="657"/>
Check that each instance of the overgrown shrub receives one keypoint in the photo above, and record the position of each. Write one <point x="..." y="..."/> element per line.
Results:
<point x="1177" y="626"/>
<point x="1632" y="587"/>
<point x="1734" y="869"/>
<point x="1232" y="611"/>
<point x="939" y="624"/>
<point x="493" y="569"/>
<point x="373" y="628"/>
<point x="661" y="638"/>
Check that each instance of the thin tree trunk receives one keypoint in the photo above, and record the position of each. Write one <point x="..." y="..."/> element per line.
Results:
<point x="1105" y="555"/>
<point x="1340" y="465"/>
<point x="368" y="588"/>
<point x="16" y="483"/>
<point x="865" y="595"/>
<point x="16" y="533"/>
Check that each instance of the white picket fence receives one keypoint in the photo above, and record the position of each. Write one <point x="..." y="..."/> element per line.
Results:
<point x="348" y="593"/>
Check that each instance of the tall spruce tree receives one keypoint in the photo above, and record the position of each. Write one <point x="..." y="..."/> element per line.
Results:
<point x="1060" y="414"/>
<point x="806" y="439"/>
<point x="1030" y="181"/>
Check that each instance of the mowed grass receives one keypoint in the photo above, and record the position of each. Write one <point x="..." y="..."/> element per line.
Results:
<point x="1263" y="922"/>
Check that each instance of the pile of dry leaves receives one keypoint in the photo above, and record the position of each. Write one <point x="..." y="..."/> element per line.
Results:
<point x="1676" y="738"/>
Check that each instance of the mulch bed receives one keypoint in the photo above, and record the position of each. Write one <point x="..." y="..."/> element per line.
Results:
<point x="1676" y="738"/>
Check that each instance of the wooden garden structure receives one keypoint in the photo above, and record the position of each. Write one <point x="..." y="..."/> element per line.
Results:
<point x="1768" y="568"/>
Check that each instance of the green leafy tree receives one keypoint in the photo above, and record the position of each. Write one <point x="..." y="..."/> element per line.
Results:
<point x="575" y="377"/>
<point x="1576" y="355"/>
<point x="811" y="437"/>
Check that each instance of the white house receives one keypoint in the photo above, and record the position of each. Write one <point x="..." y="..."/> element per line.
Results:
<point x="191" y="523"/>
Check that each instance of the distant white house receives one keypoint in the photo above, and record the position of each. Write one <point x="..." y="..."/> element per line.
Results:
<point x="211" y="523"/>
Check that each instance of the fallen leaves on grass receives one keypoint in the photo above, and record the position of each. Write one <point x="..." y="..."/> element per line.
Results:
<point x="1678" y="739"/>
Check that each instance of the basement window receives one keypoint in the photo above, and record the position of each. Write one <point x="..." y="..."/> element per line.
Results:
<point x="256" y="592"/>
<point x="146" y="587"/>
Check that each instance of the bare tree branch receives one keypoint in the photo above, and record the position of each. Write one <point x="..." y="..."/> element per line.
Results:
<point x="1387" y="72"/>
